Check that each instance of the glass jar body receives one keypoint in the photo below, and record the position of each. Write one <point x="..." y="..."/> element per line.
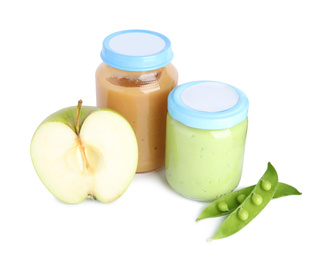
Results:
<point x="204" y="164"/>
<point x="141" y="97"/>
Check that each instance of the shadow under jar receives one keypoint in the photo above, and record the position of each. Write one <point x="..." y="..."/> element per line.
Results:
<point x="135" y="79"/>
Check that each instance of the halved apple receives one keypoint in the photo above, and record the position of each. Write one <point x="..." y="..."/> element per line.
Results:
<point x="85" y="152"/>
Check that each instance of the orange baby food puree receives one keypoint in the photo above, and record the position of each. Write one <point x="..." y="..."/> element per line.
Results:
<point x="141" y="97"/>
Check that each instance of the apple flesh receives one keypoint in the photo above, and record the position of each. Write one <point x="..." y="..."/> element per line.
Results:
<point x="85" y="152"/>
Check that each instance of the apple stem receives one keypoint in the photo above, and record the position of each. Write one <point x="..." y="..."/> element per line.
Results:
<point x="78" y="115"/>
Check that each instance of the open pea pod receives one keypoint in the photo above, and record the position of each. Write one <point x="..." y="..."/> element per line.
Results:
<point x="251" y="206"/>
<point x="233" y="200"/>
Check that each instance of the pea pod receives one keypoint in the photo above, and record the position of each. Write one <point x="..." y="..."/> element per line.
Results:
<point x="248" y="209"/>
<point x="232" y="200"/>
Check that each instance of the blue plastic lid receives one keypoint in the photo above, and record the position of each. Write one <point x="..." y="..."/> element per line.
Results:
<point x="136" y="50"/>
<point x="208" y="105"/>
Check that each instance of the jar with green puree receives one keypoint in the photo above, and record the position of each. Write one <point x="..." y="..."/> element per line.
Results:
<point x="205" y="139"/>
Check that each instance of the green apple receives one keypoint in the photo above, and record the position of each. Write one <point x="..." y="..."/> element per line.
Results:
<point x="85" y="152"/>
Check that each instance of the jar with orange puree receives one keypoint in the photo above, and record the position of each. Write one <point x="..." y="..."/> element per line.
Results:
<point x="135" y="79"/>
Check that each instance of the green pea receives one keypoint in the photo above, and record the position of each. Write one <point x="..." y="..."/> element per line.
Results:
<point x="243" y="214"/>
<point x="223" y="206"/>
<point x="256" y="199"/>
<point x="231" y="200"/>
<point x="241" y="198"/>
<point x="233" y="223"/>
<point x="266" y="185"/>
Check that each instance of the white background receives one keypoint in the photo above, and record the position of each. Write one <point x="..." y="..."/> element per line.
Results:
<point x="277" y="52"/>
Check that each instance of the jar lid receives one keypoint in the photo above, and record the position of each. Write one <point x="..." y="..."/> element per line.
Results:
<point x="208" y="105"/>
<point x="136" y="50"/>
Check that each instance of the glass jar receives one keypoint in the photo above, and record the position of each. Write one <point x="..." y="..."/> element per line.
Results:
<point x="134" y="79"/>
<point x="205" y="139"/>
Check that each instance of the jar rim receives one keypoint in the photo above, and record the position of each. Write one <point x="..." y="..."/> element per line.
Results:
<point x="223" y="116"/>
<point x="136" y="50"/>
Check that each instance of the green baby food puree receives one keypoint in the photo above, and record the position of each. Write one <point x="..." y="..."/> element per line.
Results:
<point x="204" y="164"/>
<point x="205" y="139"/>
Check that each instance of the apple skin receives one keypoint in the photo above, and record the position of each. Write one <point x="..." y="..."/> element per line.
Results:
<point x="68" y="117"/>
